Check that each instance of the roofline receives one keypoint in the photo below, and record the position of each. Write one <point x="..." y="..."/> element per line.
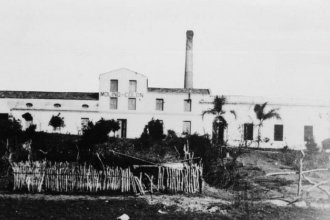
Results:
<point x="122" y="68"/>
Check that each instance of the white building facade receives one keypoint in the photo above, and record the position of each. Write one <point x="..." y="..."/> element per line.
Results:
<point x="125" y="95"/>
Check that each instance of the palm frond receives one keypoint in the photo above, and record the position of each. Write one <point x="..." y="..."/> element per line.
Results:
<point x="272" y="114"/>
<point x="209" y="111"/>
<point x="234" y="113"/>
<point x="222" y="120"/>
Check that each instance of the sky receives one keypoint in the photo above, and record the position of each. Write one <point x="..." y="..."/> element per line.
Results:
<point x="277" y="48"/>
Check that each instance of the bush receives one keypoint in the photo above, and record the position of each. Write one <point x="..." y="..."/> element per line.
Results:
<point x="311" y="146"/>
<point x="56" y="122"/>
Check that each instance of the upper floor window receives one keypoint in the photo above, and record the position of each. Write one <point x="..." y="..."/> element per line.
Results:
<point x="132" y="86"/>
<point x="113" y="103"/>
<point x="114" y="85"/>
<point x="159" y="104"/>
<point x="308" y="133"/>
<point x="29" y="105"/>
<point x="278" y="132"/>
<point x="187" y="105"/>
<point x="248" y="131"/>
<point x="132" y="104"/>
<point x="85" y="106"/>
<point x="57" y="105"/>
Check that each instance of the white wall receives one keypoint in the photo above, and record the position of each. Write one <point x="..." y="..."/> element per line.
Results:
<point x="295" y="114"/>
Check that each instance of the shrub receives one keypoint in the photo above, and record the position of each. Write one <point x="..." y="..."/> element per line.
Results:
<point x="56" y="122"/>
<point x="27" y="116"/>
<point x="155" y="128"/>
<point x="311" y="146"/>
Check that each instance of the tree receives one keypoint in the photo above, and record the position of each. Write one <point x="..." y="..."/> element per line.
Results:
<point x="98" y="133"/>
<point x="155" y="128"/>
<point x="27" y="116"/>
<point x="219" y="122"/>
<point x="263" y="116"/>
<point x="10" y="130"/>
<point x="56" y="122"/>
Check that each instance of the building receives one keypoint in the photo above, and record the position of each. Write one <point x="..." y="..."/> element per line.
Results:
<point x="125" y="95"/>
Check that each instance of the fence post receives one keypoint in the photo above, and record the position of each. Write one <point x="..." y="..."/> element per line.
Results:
<point x="300" y="172"/>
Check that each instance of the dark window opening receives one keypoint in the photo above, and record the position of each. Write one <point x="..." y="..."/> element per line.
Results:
<point x="248" y="132"/>
<point x="29" y="105"/>
<point x="278" y="132"/>
<point x="57" y="105"/>
<point x="85" y="106"/>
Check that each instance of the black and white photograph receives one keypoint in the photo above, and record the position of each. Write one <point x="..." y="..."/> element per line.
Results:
<point x="165" y="109"/>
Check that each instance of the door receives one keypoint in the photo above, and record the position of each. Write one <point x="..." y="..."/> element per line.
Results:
<point x="123" y="128"/>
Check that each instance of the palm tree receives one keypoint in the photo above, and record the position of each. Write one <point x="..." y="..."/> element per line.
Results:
<point x="262" y="116"/>
<point x="219" y="122"/>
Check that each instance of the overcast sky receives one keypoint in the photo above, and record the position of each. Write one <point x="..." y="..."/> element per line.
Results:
<point x="241" y="47"/>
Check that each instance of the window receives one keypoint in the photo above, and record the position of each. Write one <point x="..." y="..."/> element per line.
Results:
<point x="113" y="103"/>
<point x="114" y="85"/>
<point x="278" y="132"/>
<point x="57" y="105"/>
<point x="84" y="122"/>
<point x="308" y="133"/>
<point x="132" y="104"/>
<point x="159" y="104"/>
<point x="29" y="105"/>
<point x="186" y="127"/>
<point x="132" y="85"/>
<point x="187" y="105"/>
<point x="248" y="131"/>
<point x="85" y="106"/>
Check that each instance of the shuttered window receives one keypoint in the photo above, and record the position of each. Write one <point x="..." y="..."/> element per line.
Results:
<point x="186" y="127"/>
<point x="278" y="132"/>
<point x="132" y="104"/>
<point x="113" y="103"/>
<point x="114" y="85"/>
<point x="132" y="85"/>
<point x="308" y="133"/>
<point x="159" y="104"/>
<point x="248" y="131"/>
<point x="187" y="105"/>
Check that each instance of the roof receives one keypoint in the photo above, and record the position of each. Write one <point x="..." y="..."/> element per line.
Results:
<point x="282" y="101"/>
<point x="49" y="95"/>
<point x="179" y="90"/>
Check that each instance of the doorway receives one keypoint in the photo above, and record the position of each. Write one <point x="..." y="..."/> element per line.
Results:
<point x="123" y="128"/>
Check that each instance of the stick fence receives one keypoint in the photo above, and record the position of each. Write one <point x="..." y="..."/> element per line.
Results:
<point x="69" y="177"/>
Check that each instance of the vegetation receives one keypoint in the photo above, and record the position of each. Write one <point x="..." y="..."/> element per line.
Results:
<point x="56" y="122"/>
<point x="27" y="116"/>
<point x="219" y="122"/>
<point x="263" y="116"/>
<point x="152" y="133"/>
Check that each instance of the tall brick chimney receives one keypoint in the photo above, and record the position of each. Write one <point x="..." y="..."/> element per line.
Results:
<point x="188" y="75"/>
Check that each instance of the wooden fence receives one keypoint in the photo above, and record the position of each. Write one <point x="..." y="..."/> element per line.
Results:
<point x="66" y="177"/>
<point x="302" y="174"/>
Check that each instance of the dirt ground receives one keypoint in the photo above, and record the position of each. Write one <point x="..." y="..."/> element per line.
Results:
<point x="256" y="197"/>
<point x="39" y="206"/>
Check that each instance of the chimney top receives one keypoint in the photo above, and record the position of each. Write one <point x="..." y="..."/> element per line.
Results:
<point x="190" y="34"/>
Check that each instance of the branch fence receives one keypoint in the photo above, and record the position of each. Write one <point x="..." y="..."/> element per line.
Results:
<point x="42" y="176"/>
